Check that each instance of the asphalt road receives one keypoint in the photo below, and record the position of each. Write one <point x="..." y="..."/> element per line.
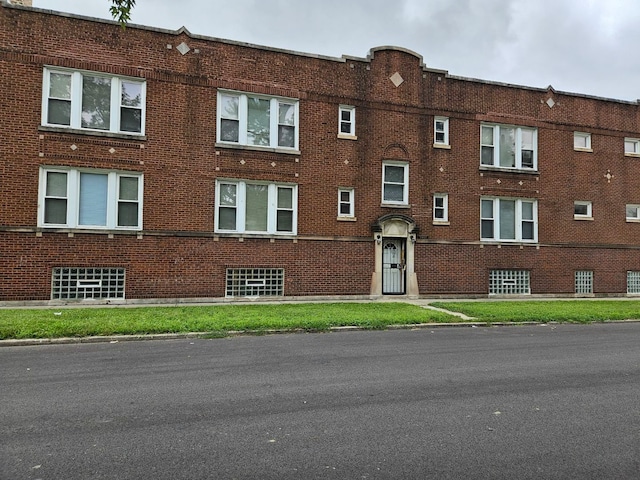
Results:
<point x="534" y="402"/>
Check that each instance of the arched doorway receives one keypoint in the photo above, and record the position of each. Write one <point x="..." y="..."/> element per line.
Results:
<point x="394" y="272"/>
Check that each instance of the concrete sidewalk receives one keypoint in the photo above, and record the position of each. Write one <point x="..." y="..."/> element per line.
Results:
<point x="167" y="302"/>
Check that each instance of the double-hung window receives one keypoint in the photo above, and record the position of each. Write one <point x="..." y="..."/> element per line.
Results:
<point x="346" y="203"/>
<point x="395" y="183"/>
<point x="93" y="101"/>
<point x="508" y="219"/>
<point x="92" y="199"/>
<point x="257" y="120"/>
<point x="441" y="131"/>
<point x="504" y="146"/>
<point x="440" y="208"/>
<point x="244" y="206"/>
<point x="347" y="121"/>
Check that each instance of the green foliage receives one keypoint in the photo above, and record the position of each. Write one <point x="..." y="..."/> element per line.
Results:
<point x="217" y="320"/>
<point x="576" y="311"/>
<point x="121" y="10"/>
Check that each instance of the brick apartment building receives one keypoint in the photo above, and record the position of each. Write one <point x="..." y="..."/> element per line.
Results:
<point x="145" y="164"/>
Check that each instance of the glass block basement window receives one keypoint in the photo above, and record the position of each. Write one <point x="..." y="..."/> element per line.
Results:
<point x="584" y="281"/>
<point x="255" y="282"/>
<point x="80" y="283"/>
<point x="633" y="282"/>
<point x="509" y="282"/>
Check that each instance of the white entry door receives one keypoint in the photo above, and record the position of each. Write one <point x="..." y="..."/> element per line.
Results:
<point x="393" y="266"/>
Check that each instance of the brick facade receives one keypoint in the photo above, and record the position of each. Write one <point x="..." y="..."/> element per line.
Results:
<point x="179" y="253"/>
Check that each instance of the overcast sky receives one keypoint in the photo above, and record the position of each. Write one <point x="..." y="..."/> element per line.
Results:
<point x="582" y="46"/>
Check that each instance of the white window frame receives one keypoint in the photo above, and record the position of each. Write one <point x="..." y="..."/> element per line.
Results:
<point x="350" y="123"/>
<point x="581" y="216"/>
<point x="634" y="210"/>
<point x="444" y="142"/>
<point x="274" y="114"/>
<point x="272" y="207"/>
<point x="495" y="145"/>
<point x="444" y="208"/>
<point x="350" y="202"/>
<point x="76" y="100"/>
<point x="73" y="198"/>
<point x="632" y="147"/>
<point x="404" y="183"/>
<point x="519" y="221"/>
<point x="579" y="138"/>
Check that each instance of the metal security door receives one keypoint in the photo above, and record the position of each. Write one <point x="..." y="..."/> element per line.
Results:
<point x="393" y="266"/>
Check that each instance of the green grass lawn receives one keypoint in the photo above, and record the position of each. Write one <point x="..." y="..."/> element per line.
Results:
<point x="218" y="319"/>
<point x="576" y="311"/>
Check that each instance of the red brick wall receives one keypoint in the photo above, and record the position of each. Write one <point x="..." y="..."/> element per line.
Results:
<point x="464" y="269"/>
<point x="180" y="162"/>
<point x="174" y="267"/>
<point x="191" y="267"/>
